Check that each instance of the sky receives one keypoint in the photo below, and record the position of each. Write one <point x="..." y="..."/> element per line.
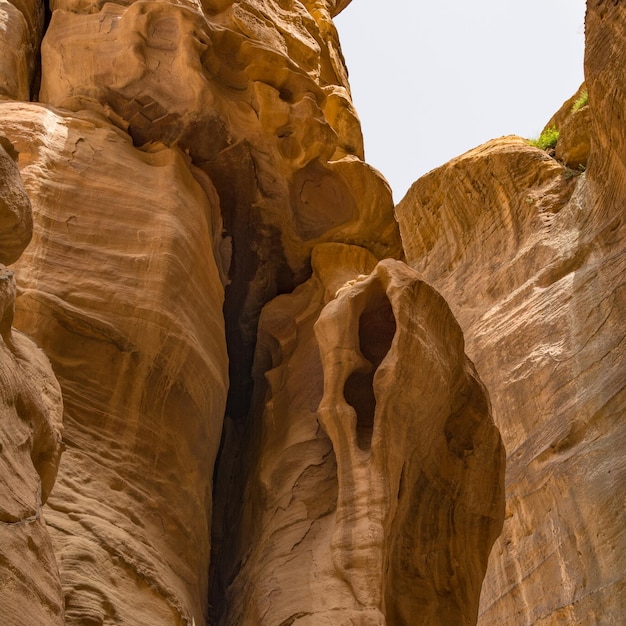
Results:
<point x="431" y="80"/>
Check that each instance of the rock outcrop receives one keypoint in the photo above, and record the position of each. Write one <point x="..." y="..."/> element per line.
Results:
<point x="530" y="256"/>
<point x="31" y="412"/>
<point x="185" y="159"/>
<point x="268" y="418"/>
<point x="21" y="28"/>
<point x="257" y="94"/>
<point x="375" y="496"/>
<point x="122" y="290"/>
<point x="16" y="214"/>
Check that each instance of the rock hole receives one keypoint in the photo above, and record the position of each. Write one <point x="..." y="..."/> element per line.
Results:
<point x="286" y="95"/>
<point x="377" y="327"/>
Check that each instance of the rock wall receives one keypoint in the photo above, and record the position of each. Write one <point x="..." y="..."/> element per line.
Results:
<point x="30" y="433"/>
<point x="265" y="422"/>
<point x="196" y="166"/>
<point x="184" y="160"/>
<point x="530" y="255"/>
<point x="20" y="37"/>
<point x="375" y="495"/>
<point x="122" y="291"/>
<point x="257" y="94"/>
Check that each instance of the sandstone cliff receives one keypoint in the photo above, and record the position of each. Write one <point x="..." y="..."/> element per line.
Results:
<point x="187" y="162"/>
<point x="30" y="432"/>
<point x="530" y="255"/>
<point x="268" y="417"/>
<point x="374" y="496"/>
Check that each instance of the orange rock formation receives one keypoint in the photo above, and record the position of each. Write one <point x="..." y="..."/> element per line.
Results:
<point x="268" y="417"/>
<point x="31" y="411"/>
<point x="530" y="255"/>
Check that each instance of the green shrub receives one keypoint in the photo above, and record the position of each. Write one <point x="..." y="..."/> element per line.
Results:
<point x="581" y="101"/>
<point x="547" y="139"/>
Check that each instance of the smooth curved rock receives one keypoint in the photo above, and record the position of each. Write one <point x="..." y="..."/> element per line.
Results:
<point x="16" y="215"/>
<point x="30" y="434"/>
<point x="120" y="287"/>
<point x="530" y="256"/>
<point x="257" y="94"/>
<point x="31" y="412"/>
<point x="179" y="147"/>
<point x="388" y="511"/>
<point x="21" y="29"/>
<point x="605" y="56"/>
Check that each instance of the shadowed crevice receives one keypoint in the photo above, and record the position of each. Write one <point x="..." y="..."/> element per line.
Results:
<point x="377" y="327"/>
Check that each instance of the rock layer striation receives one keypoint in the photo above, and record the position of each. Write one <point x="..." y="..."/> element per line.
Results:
<point x="268" y="417"/>
<point x="530" y="256"/>
<point x="31" y="411"/>
<point x="122" y="290"/>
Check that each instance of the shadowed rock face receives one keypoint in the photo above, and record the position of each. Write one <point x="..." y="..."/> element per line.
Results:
<point x="531" y="259"/>
<point x="190" y="164"/>
<point x="16" y="216"/>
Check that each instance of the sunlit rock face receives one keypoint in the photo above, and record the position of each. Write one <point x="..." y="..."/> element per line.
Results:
<point x="194" y="145"/>
<point x="121" y="289"/>
<point x="31" y="411"/>
<point x="257" y="94"/>
<point x="377" y="488"/>
<point x="530" y="256"/>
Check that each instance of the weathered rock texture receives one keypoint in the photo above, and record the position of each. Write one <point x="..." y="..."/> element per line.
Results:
<point x="257" y="94"/>
<point x="175" y="149"/>
<point x="531" y="258"/>
<point x="122" y="290"/>
<point x="30" y="434"/>
<point x="16" y="215"/>
<point x="21" y="28"/>
<point x="375" y="497"/>
<point x="196" y="166"/>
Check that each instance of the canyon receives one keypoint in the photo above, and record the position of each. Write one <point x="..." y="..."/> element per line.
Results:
<point x="240" y="387"/>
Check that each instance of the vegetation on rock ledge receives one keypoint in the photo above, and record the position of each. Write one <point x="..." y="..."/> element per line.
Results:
<point x="547" y="139"/>
<point x="581" y="101"/>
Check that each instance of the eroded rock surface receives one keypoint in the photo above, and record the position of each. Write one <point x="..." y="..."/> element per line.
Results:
<point x="21" y="29"/>
<point x="188" y="161"/>
<point x="192" y="145"/>
<point x="257" y="93"/>
<point x="530" y="256"/>
<point x="30" y="435"/>
<point x="16" y="215"/>
<point x="122" y="290"/>
<point x="31" y="411"/>
<point x="377" y="491"/>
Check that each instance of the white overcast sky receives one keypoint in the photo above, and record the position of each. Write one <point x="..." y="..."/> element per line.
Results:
<point x="431" y="80"/>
